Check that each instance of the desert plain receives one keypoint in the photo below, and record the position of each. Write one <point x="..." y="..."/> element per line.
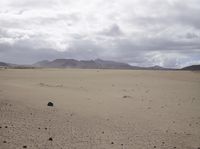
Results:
<point x="99" y="109"/>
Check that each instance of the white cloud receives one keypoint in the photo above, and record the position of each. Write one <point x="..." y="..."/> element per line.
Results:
<point x="167" y="31"/>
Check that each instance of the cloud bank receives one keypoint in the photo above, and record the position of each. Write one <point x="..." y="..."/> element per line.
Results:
<point x="138" y="32"/>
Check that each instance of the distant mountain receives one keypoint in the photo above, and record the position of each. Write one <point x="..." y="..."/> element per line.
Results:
<point x="2" y="64"/>
<point x="192" y="67"/>
<point x="58" y="63"/>
<point x="156" y="67"/>
<point x="15" y="66"/>
<point x="90" y="64"/>
<point x="113" y="65"/>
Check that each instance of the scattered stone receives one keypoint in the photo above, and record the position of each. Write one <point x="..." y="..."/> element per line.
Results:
<point x="102" y="132"/>
<point x="112" y="142"/>
<point x="4" y="142"/>
<point x="39" y="128"/>
<point x="125" y="96"/>
<point x="50" y="104"/>
<point x="6" y="126"/>
<point x="174" y="146"/>
<point x="122" y="144"/>
<point x="188" y="134"/>
<point x="24" y="146"/>
<point x="154" y="147"/>
<point x="50" y="139"/>
<point x="45" y="128"/>
<point x="163" y="142"/>
<point x="0" y="127"/>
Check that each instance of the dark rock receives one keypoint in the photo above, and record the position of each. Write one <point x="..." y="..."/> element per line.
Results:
<point x="126" y="96"/>
<point x="24" y="146"/>
<point x="4" y="142"/>
<point x="50" y="139"/>
<point x="50" y="104"/>
<point x="112" y="142"/>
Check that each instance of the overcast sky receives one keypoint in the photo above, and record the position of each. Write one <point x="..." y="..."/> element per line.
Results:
<point x="138" y="32"/>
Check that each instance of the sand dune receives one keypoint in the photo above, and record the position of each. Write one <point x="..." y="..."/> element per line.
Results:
<point x="99" y="109"/>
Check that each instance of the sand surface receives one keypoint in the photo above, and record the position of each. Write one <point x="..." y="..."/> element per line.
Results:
<point x="99" y="109"/>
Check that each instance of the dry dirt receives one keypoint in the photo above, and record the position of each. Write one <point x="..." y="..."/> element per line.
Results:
<point x="99" y="109"/>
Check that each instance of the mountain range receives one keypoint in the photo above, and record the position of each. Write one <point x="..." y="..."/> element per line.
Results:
<point x="90" y="64"/>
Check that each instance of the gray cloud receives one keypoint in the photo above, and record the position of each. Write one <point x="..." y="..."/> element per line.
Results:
<point x="114" y="30"/>
<point x="138" y="32"/>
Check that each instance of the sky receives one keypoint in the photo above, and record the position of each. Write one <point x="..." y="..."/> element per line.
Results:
<point x="138" y="32"/>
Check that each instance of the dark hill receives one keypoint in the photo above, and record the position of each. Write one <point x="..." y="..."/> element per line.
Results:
<point x="2" y="64"/>
<point x="192" y="67"/>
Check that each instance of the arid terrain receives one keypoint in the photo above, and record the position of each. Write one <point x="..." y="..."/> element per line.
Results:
<point x="99" y="109"/>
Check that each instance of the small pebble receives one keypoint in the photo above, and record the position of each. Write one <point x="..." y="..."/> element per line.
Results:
<point x="50" y="104"/>
<point x="50" y="139"/>
<point x="24" y="146"/>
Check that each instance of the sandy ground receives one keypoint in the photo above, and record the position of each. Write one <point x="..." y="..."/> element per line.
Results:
<point x="99" y="109"/>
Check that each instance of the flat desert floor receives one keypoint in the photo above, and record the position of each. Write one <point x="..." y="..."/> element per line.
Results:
<point x="99" y="109"/>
